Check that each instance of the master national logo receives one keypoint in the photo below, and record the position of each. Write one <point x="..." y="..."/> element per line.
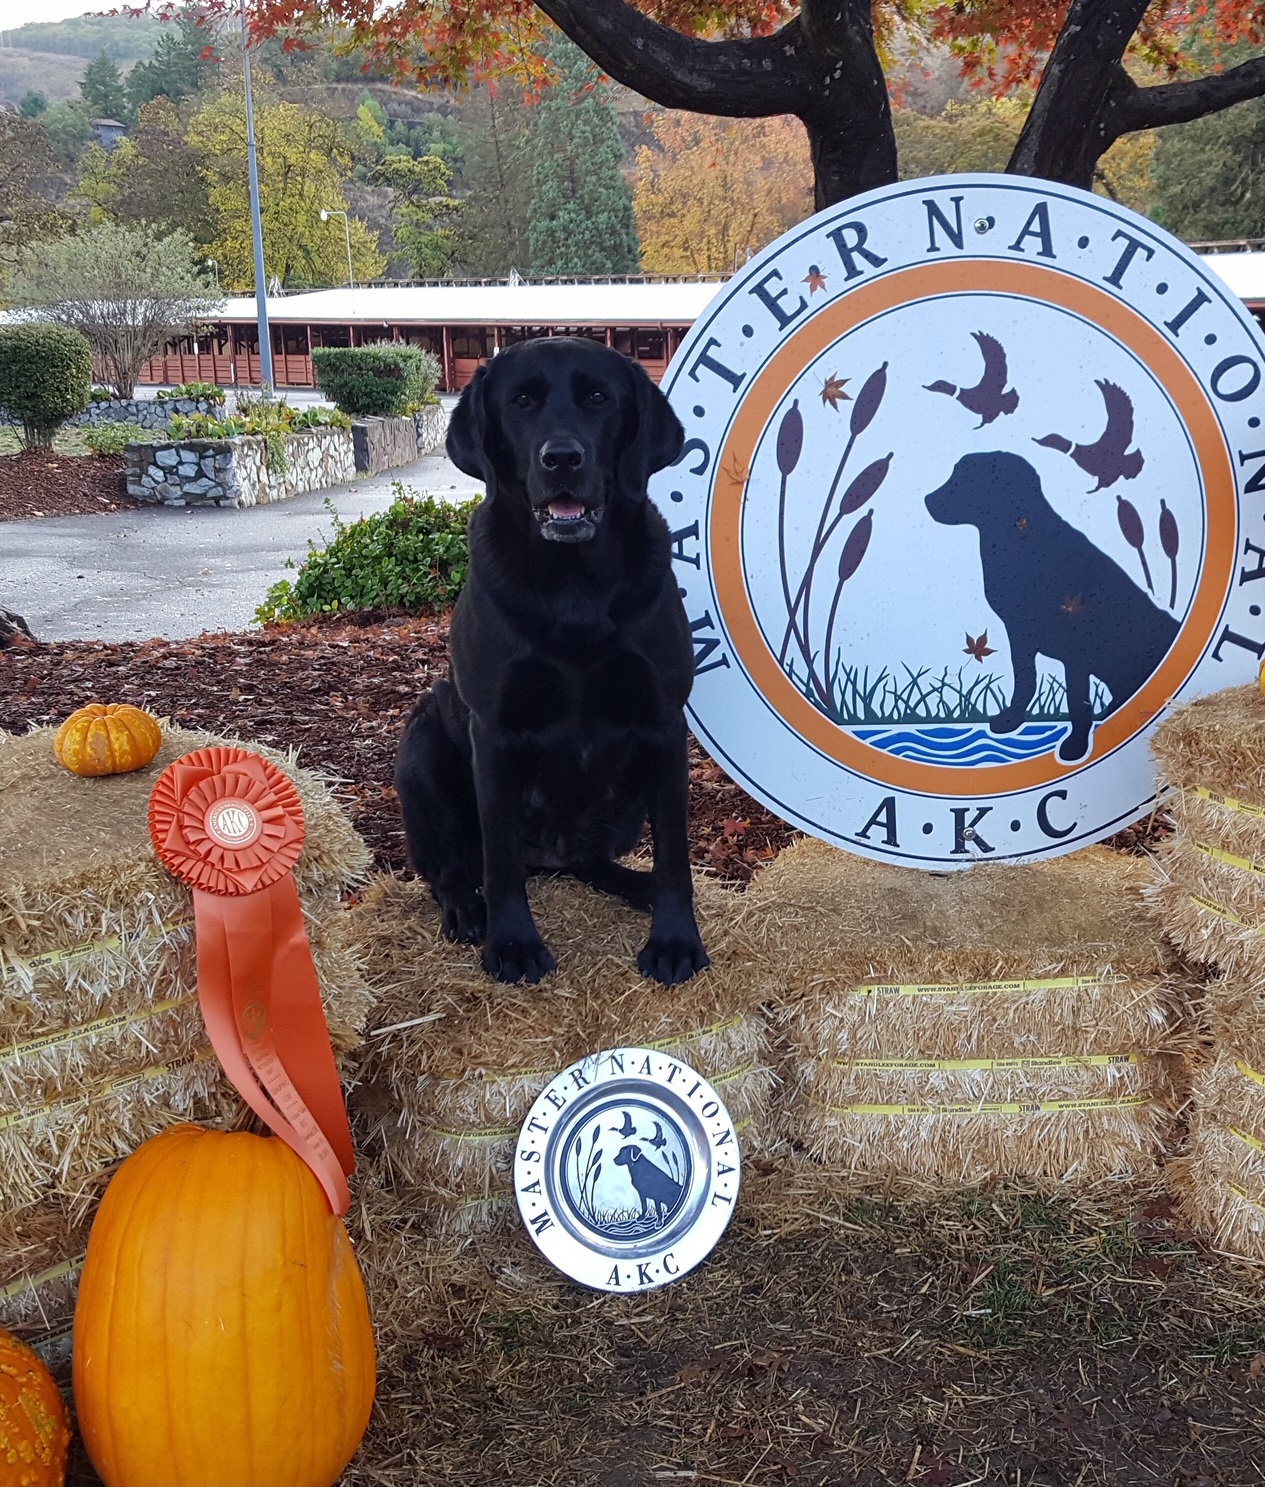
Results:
<point x="972" y="493"/>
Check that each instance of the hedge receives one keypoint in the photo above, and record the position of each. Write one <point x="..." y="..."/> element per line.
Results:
<point x="45" y="377"/>
<point x="382" y="381"/>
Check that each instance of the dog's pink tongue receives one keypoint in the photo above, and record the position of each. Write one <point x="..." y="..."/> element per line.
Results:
<point x="566" y="510"/>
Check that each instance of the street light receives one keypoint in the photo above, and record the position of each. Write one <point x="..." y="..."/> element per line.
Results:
<point x="256" y="229"/>
<point x="211" y="264"/>
<point x="325" y="216"/>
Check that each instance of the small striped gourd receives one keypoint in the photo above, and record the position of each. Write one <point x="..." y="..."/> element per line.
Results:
<point x="107" y="738"/>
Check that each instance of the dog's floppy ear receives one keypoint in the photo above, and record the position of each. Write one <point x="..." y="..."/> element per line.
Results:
<point x="652" y="435"/>
<point x="467" y="441"/>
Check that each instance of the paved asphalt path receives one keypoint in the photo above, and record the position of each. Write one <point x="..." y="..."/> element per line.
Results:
<point x="176" y="572"/>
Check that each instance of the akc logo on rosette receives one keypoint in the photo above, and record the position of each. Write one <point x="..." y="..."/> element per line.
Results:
<point x="972" y="492"/>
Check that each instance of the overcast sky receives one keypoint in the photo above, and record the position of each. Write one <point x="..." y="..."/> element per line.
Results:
<point x="14" y="13"/>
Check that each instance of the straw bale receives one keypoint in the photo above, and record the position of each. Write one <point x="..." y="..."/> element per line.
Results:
<point x="1061" y="1124"/>
<point x="1221" y="1182"/>
<point x="1002" y="1021"/>
<point x="102" y="1039"/>
<point x="1213" y="910"/>
<point x="41" y="1252"/>
<point x="454" y="1061"/>
<point x="1217" y="743"/>
<point x="825" y="918"/>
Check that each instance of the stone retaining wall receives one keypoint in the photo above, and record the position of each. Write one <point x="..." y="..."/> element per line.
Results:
<point x="148" y="413"/>
<point x="234" y="472"/>
<point x="432" y="427"/>
<point x="384" y="443"/>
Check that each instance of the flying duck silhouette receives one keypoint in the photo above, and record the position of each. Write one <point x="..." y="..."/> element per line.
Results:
<point x="1105" y="460"/>
<point x="658" y="1140"/>
<point x="986" y="398"/>
<point x="627" y="1129"/>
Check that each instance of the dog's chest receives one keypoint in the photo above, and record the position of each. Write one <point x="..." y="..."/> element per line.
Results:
<point x="592" y="700"/>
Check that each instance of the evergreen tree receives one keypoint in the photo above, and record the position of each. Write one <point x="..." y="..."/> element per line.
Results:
<point x="175" y="70"/>
<point x="580" y="220"/>
<point x="496" y="176"/>
<point x="33" y="104"/>
<point x="102" y="89"/>
<point x="1208" y="175"/>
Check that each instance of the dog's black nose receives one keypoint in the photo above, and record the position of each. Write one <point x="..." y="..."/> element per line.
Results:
<point x="561" y="454"/>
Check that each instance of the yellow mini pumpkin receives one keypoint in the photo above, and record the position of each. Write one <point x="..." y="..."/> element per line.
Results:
<point x="34" y="1429"/>
<point x="221" y="1333"/>
<point x="107" y="738"/>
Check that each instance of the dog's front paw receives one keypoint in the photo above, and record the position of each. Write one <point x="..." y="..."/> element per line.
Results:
<point x="671" y="959"/>
<point x="518" y="960"/>
<point x="1006" y="721"/>
<point x="465" y="920"/>
<point x="1074" y="747"/>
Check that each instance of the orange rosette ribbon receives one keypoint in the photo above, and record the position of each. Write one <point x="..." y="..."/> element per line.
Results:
<point x="230" y="825"/>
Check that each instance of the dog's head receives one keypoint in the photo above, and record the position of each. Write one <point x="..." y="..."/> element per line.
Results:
<point x="627" y="1156"/>
<point x="565" y="426"/>
<point x="986" y="489"/>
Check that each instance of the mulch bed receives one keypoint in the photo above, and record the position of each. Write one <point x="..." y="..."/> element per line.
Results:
<point x="339" y="692"/>
<point x="42" y="482"/>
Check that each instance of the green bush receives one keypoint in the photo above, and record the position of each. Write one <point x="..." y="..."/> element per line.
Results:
<point x="257" y="416"/>
<point x="206" y="391"/>
<point x="101" y="395"/>
<point x="45" y="375"/>
<point x="112" y="438"/>
<point x="411" y="556"/>
<point x="383" y="381"/>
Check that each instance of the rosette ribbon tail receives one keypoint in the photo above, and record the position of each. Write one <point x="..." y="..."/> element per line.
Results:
<point x="230" y="825"/>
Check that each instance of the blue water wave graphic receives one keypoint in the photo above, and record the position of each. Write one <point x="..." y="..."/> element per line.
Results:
<point x="963" y="743"/>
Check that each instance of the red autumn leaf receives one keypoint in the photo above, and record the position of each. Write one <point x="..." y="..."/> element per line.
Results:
<point x="815" y="279"/>
<point x="832" y="391"/>
<point x="979" y="648"/>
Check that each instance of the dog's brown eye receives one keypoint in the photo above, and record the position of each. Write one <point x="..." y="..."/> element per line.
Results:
<point x="597" y="396"/>
<point x="521" y="400"/>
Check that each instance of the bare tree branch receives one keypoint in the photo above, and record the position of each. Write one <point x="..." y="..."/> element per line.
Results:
<point x="1177" y="103"/>
<point x="738" y="79"/>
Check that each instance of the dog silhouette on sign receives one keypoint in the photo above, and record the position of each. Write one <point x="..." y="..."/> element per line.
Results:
<point x="654" y="1187"/>
<point x="1056" y="593"/>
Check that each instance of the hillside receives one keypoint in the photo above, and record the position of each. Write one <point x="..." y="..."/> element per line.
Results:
<point x="57" y="77"/>
<point x="124" y="38"/>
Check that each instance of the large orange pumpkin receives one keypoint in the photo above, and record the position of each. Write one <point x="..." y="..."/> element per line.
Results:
<point x="34" y="1430"/>
<point x="221" y="1332"/>
<point x="107" y="738"/>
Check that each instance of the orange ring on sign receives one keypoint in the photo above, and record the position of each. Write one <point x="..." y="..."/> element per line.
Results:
<point x="986" y="276"/>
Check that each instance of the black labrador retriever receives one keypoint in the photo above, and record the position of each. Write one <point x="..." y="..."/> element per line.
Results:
<point x="561" y="726"/>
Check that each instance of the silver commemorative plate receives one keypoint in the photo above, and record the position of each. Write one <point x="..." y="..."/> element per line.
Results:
<point x="627" y="1170"/>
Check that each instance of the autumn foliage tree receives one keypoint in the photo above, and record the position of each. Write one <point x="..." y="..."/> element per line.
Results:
<point x="822" y="61"/>
<point x="304" y="159"/>
<point x="711" y="192"/>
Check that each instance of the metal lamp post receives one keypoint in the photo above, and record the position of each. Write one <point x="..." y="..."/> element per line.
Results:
<point x="325" y="216"/>
<point x="256" y="230"/>
<point x="215" y="268"/>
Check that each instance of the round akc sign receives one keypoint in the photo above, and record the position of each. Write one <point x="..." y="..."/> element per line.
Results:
<point x="972" y="492"/>
<point x="627" y="1170"/>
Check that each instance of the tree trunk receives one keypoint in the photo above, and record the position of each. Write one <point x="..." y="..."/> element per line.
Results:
<point x="1065" y="131"/>
<point x="822" y="66"/>
<point x="848" y="113"/>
